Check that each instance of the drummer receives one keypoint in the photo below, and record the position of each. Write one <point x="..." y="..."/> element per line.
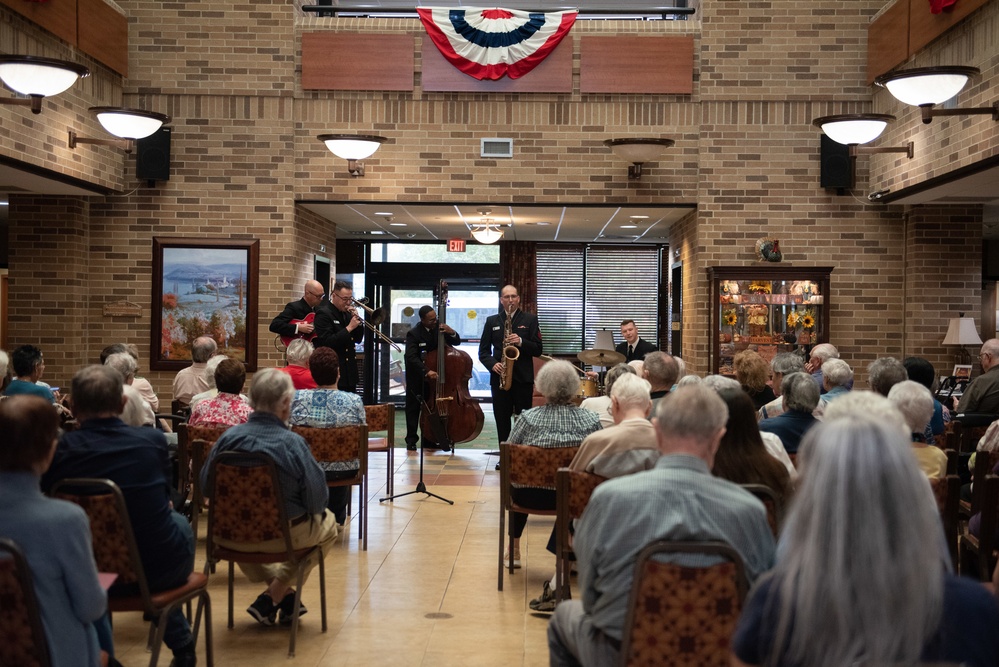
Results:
<point x="633" y="346"/>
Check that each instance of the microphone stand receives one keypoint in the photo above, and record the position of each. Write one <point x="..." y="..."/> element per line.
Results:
<point x="420" y="486"/>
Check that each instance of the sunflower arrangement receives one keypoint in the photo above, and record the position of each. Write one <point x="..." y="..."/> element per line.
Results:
<point x="793" y="318"/>
<point x="808" y="319"/>
<point x="761" y="287"/>
<point x="730" y="318"/>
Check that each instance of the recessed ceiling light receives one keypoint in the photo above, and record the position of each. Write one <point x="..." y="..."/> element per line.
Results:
<point x="629" y="226"/>
<point x="639" y="217"/>
<point x="397" y="224"/>
<point x="376" y="231"/>
<point x="383" y="213"/>
<point x="538" y="224"/>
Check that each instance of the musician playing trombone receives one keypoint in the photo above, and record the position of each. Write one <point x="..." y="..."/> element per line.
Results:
<point x="523" y="335"/>
<point x="291" y="323"/>
<point x="338" y="326"/>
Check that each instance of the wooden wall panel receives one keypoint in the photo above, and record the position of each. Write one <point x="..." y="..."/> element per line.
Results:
<point x="348" y="61"/>
<point x="103" y="34"/>
<point x="552" y="75"/>
<point x="925" y="26"/>
<point x="888" y="40"/>
<point x="629" y="64"/>
<point x="59" y="18"/>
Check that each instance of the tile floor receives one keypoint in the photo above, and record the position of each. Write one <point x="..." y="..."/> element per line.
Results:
<point x="423" y="594"/>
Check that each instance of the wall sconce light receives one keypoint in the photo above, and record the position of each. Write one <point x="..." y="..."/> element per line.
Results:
<point x="353" y="148"/>
<point x="854" y="129"/>
<point x="127" y="124"/>
<point x="487" y="231"/>
<point x="38" y="78"/>
<point x="961" y="331"/>
<point x="638" y="152"/>
<point x="925" y="87"/>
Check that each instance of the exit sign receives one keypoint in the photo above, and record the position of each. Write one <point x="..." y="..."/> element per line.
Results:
<point x="456" y="245"/>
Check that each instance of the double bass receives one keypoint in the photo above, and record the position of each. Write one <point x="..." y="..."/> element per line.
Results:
<point x="449" y="412"/>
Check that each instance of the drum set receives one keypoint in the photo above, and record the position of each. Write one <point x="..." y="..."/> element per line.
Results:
<point x="602" y="358"/>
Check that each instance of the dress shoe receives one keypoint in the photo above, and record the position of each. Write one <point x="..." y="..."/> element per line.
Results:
<point x="410" y="447"/>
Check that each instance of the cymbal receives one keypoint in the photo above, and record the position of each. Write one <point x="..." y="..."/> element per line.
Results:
<point x="601" y="357"/>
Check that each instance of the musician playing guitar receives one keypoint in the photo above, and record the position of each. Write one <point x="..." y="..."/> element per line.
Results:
<point x="295" y="321"/>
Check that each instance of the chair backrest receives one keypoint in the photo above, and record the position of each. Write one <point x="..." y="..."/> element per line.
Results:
<point x="247" y="502"/>
<point x="775" y="509"/>
<point x="22" y="635"/>
<point x="381" y="417"/>
<point x="338" y="443"/>
<point x="190" y="453"/>
<point x="947" y="493"/>
<point x="973" y="426"/>
<point x="573" y="489"/>
<point x="680" y="615"/>
<point x="114" y="545"/>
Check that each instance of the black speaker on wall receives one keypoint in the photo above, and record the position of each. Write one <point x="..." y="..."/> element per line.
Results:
<point x="837" y="166"/>
<point x="152" y="157"/>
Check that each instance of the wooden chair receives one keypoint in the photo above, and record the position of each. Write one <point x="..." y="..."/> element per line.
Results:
<point x="977" y="554"/>
<point x="984" y="463"/>
<point x="973" y="427"/>
<point x="681" y="615"/>
<point x="775" y="508"/>
<point x="248" y="506"/>
<point x="115" y="551"/>
<point x="22" y="635"/>
<point x="947" y="493"/>
<point x="193" y="445"/>
<point x="344" y="444"/>
<point x="530" y="466"/>
<point x="573" y="489"/>
<point x="381" y="417"/>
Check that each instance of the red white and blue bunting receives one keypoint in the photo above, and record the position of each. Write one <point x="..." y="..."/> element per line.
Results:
<point x="488" y="43"/>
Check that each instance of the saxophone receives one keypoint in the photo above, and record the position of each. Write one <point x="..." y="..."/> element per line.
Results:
<point x="510" y="354"/>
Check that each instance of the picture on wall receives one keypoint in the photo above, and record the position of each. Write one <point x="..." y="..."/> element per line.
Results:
<point x="203" y="287"/>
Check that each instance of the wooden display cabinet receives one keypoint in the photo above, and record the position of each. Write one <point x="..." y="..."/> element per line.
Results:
<point x="769" y="309"/>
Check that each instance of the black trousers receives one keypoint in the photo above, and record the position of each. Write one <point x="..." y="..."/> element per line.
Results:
<point x="413" y="404"/>
<point x="508" y="403"/>
<point x="540" y="499"/>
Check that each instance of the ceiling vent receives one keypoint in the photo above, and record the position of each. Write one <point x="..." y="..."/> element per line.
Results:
<point x="496" y="147"/>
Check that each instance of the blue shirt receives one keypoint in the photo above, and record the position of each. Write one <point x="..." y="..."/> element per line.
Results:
<point x="328" y="408"/>
<point x="20" y="387"/>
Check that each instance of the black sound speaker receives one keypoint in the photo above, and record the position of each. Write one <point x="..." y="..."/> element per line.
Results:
<point x="152" y="156"/>
<point x="837" y="167"/>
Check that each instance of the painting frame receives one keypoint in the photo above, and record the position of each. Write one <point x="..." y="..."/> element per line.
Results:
<point x="168" y="254"/>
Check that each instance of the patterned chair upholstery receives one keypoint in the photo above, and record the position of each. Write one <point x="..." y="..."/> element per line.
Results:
<point x="115" y="551"/>
<point x="573" y="489"/>
<point x="344" y="444"/>
<point x="381" y="417"/>
<point x="775" y="509"/>
<point x="526" y="465"/>
<point x="683" y="616"/>
<point x="947" y="493"/>
<point x="22" y="636"/>
<point x="977" y="554"/>
<point x="248" y="506"/>
<point x="193" y="445"/>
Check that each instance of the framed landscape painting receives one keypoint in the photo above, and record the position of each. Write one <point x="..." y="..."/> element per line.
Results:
<point x="204" y="287"/>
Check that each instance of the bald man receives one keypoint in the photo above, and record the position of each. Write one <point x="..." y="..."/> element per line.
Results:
<point x="285" y="324"/>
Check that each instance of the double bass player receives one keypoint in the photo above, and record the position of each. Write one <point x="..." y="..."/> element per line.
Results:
<point x="420" y="340"/>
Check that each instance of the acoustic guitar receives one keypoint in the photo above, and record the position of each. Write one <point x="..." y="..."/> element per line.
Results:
<point x="309" y="337"/>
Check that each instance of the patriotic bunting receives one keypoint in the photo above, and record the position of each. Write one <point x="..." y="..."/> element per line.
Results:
<point x="490" y="43"/>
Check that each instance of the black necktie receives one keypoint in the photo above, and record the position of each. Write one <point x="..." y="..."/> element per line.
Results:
<point x="631" y="350"/>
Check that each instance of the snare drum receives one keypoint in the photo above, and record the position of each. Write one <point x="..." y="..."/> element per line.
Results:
<point x="588" y="388"/>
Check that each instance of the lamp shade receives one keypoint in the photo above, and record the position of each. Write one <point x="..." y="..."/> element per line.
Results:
<point x="129" y="123"/>
<point x="924" y="86"/>
<point x="39" y="77"/>
<point x="638" y="151"/>
<point x="604" y="340"/>
<point x="487" y="233"/>
<point x="962" y="331"/>
<point x="854" y="128"/>
<point x="352" y="146"/>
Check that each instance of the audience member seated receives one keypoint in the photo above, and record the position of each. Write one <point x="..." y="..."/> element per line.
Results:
<point x="783" y="364"/>
<point x="915" y="402"/>
<point x="628" y="445"/>
<point x="136" y="460"/>
<point x="681" y="371"/>
<point x="800" y="400"/>
<point x="773" y="444"/>
<point x="885" y="373"/>
<point x="602" y="404"/>
<point x="6" y="374"/>
<point x="28" y="366"/>
<point x="837" y="378"/>
<point x="302" y="485"/>
<point x="209" y="375"/>
<point x="685" y="380"/>
<point x="922" y="371"/>
<point x="819" y="355"/>
<point x="140" y="384"/>
<point x="229" y="407"/>
<point x="660" y="370"/>
<point x="137" y="411"/>
<point x="859" y="539"/>
<point x="297" y="355"/>
<point x="191" y="380"/>
<point x="742" y="458"/>
<point x="328" y="407"/>
<point x="752" y="372"/>
<point x="982" y="395"/>
<point x="678" y="499"/>
<point x="558" y="423"/>
<point x="53" y="534"/>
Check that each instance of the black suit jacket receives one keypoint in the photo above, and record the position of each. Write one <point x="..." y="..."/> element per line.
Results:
<point x="525" y="325"/>
<point x="331" y="329"/>
<point x="296" y="310"/>
<point x="419" y="341"/>
<point x="642" y="348"/>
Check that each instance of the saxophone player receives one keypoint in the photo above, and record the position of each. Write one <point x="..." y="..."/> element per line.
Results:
<point x="510" y="338"/>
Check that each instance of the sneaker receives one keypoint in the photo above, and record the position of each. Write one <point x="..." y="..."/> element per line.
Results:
<point x="545" y="603"/>
<point x="263" y="609"/>
<point x="516" y="560"/>
<point x="287" y="606"/>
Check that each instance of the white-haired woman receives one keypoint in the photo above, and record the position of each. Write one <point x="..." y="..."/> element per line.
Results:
<point x="863" y="575"/>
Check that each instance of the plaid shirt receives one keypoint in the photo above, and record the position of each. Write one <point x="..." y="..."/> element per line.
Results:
<point x="550" y="426"/>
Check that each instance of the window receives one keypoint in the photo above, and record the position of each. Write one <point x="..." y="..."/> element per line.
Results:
<point x="434" y="253"/>
<point x="560" y="297"/>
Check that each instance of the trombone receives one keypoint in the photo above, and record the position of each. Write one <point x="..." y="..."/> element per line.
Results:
<point x="375" y="317"/>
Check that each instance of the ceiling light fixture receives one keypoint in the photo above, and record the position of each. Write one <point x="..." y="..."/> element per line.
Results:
<point x="38" y="78"/>
<point x="353" y="148"/>
<point x="126" y="124"/>
<point x="638" y="151"/>
<point x="925" y="87"/>
<point x="487" y="232"/>
<point x="854" y="129"/>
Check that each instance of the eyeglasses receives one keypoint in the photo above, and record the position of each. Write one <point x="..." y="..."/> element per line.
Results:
<point x="318" y="296"/>
<point x="344" y="297"/>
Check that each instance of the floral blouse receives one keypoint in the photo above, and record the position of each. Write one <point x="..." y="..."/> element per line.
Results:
<point x="226" y="409"/>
